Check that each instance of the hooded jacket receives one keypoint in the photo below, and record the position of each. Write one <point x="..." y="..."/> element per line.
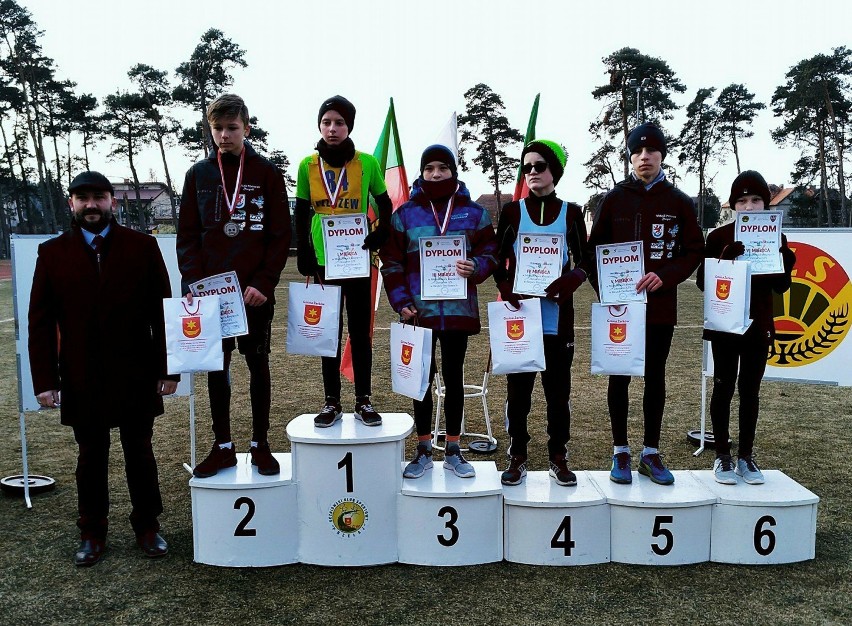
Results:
<point x="401" y="258"/>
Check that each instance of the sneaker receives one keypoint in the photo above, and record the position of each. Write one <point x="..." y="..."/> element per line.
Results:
<point x="422" y="462"/>
<point x="261" y="456"/>
<point x="453" y="460"/>
<point x="219" y="458"/>
<point x="651" y="465"/>
<point x="559" y="470"/>
<point x="748" y="469"/>
<point x="723" y="470"/>
<point x="365" y="412"/>
<point x="620" y="471"/>
<point x="515" y="473"/>
<point x="329" y="414"/>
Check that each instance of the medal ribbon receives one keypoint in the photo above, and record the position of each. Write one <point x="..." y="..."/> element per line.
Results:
<point x="231" y="202"/>
<point x="332" y="197"/>
<point x="442" y="228"/>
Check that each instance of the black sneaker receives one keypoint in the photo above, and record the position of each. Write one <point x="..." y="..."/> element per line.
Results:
<point x="219" y="458"/>
<point x="560" y="472"/>
<point x="514" y="474"/>
<point x="329" y="414"/>
<point x="261" y="456"/>
<point x="365" y="412"/>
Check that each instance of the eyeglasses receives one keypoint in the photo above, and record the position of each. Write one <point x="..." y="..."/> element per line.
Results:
<point x="538" y="166"/>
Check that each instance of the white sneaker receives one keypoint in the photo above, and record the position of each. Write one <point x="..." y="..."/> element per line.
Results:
<point x="748" y="469"/>
<point x="723" y="470"/>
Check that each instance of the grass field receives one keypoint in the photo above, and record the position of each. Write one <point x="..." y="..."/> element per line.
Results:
<point x="804" y="431"/>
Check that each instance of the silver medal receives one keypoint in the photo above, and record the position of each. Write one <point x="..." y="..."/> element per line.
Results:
<point x="232" y="229"/>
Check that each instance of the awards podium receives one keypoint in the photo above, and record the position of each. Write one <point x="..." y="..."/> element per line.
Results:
<point x="341" y="500"/>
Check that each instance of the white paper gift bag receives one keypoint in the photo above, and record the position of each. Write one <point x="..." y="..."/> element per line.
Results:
<point x="618" y="339"/>
<point x="517" y="339"/>
<point x="727" y="295"/>
<point x="411" y="358"/>
<point x="313" y="319"/>
<point x="193" y="335"/>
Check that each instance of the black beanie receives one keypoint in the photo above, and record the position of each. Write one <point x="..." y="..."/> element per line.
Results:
<point x="342" y="106"/>
<point x="437" y="152"/>
<point x="551" y="152"/>
<point x="646" y="135"/>
<point x="747" y="183"/>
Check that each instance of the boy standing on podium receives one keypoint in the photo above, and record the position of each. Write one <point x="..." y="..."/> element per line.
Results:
<point x="234" y="215"/>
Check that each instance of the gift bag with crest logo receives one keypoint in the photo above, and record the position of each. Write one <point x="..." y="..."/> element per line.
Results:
<point x="727" y="295"/>
<point x="313" y="319"/>
<point x="193" y="335"/>
<point x="411" y="358"/>
<point x="517" y="337"/>
<point x="618" y="339"/>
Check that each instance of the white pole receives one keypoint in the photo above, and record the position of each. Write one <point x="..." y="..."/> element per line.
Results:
<point x="189" y="468"/>
<point x="24" y="459"/>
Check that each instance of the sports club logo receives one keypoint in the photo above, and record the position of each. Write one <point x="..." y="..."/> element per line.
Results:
<point x="348" y="517"/>
<point x="723" y="288"/>
<point x="514" y="329"/>
<point x="191" y="326"/>
<point x="406" y="352"/>
<point x="241" y="201"/>
<point x="657" y="230"/>
<point x="313" y="314"/>
<point x="617" y="332"/>
<point x="812" y="318"/>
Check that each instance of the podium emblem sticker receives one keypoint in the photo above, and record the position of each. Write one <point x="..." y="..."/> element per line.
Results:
<point x="515" y="329"/>
<point x="723" y="288"/>
<point x="191" y="326"/>
<point x="348" y="516"/>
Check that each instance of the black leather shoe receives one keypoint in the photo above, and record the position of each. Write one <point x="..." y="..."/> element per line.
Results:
<point x="152" y="544"/>
<point x="90" y="552"/>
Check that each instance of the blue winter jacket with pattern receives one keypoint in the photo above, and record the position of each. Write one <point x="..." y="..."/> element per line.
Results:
<point x="401" y="258"/>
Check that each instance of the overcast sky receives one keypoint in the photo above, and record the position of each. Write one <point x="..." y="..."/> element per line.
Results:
<point x="427" y="54"/>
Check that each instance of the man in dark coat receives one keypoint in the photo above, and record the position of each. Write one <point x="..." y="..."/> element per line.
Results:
<point x="101" y="286"/>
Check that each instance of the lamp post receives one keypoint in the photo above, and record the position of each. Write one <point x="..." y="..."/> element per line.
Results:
<point x="639" y="86"/>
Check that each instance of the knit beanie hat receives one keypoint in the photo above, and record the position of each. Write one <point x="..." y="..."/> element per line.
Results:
<point x="747" y="183"/>
<point x="646" y="135"/>
<point x="342" y="106"/>
<point x="443" y="154"/>
<point x="551" y="152"/>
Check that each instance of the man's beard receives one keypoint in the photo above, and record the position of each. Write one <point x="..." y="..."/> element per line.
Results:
<point x="92" y="227"/>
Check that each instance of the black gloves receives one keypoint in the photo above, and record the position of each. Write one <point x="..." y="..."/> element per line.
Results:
<point x="306" y="261"/>
<point x="733" y="250"/>
<point x="507" y="295"/>
<point x="376" y="239"/>
<point x="565" y="285"/>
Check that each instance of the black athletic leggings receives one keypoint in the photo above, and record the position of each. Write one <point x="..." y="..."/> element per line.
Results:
<point x="556" y="382"/>
<point x="750" y="351"/>
<point x="453" y="349"/>
<point x="658" y="342"/>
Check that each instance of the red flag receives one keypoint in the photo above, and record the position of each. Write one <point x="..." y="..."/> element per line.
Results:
<point x="521" y="189"/>
<point x="388" y="153"/>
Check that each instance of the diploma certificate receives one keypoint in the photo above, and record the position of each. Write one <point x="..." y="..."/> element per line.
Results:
<point x="760" y="233"/>
<point x="538" y="262"/>
<point x="232" y="307"/>
<point x="620" y="267"/>
<point x="343" y="238"/>
<point x="439" y="279"/>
